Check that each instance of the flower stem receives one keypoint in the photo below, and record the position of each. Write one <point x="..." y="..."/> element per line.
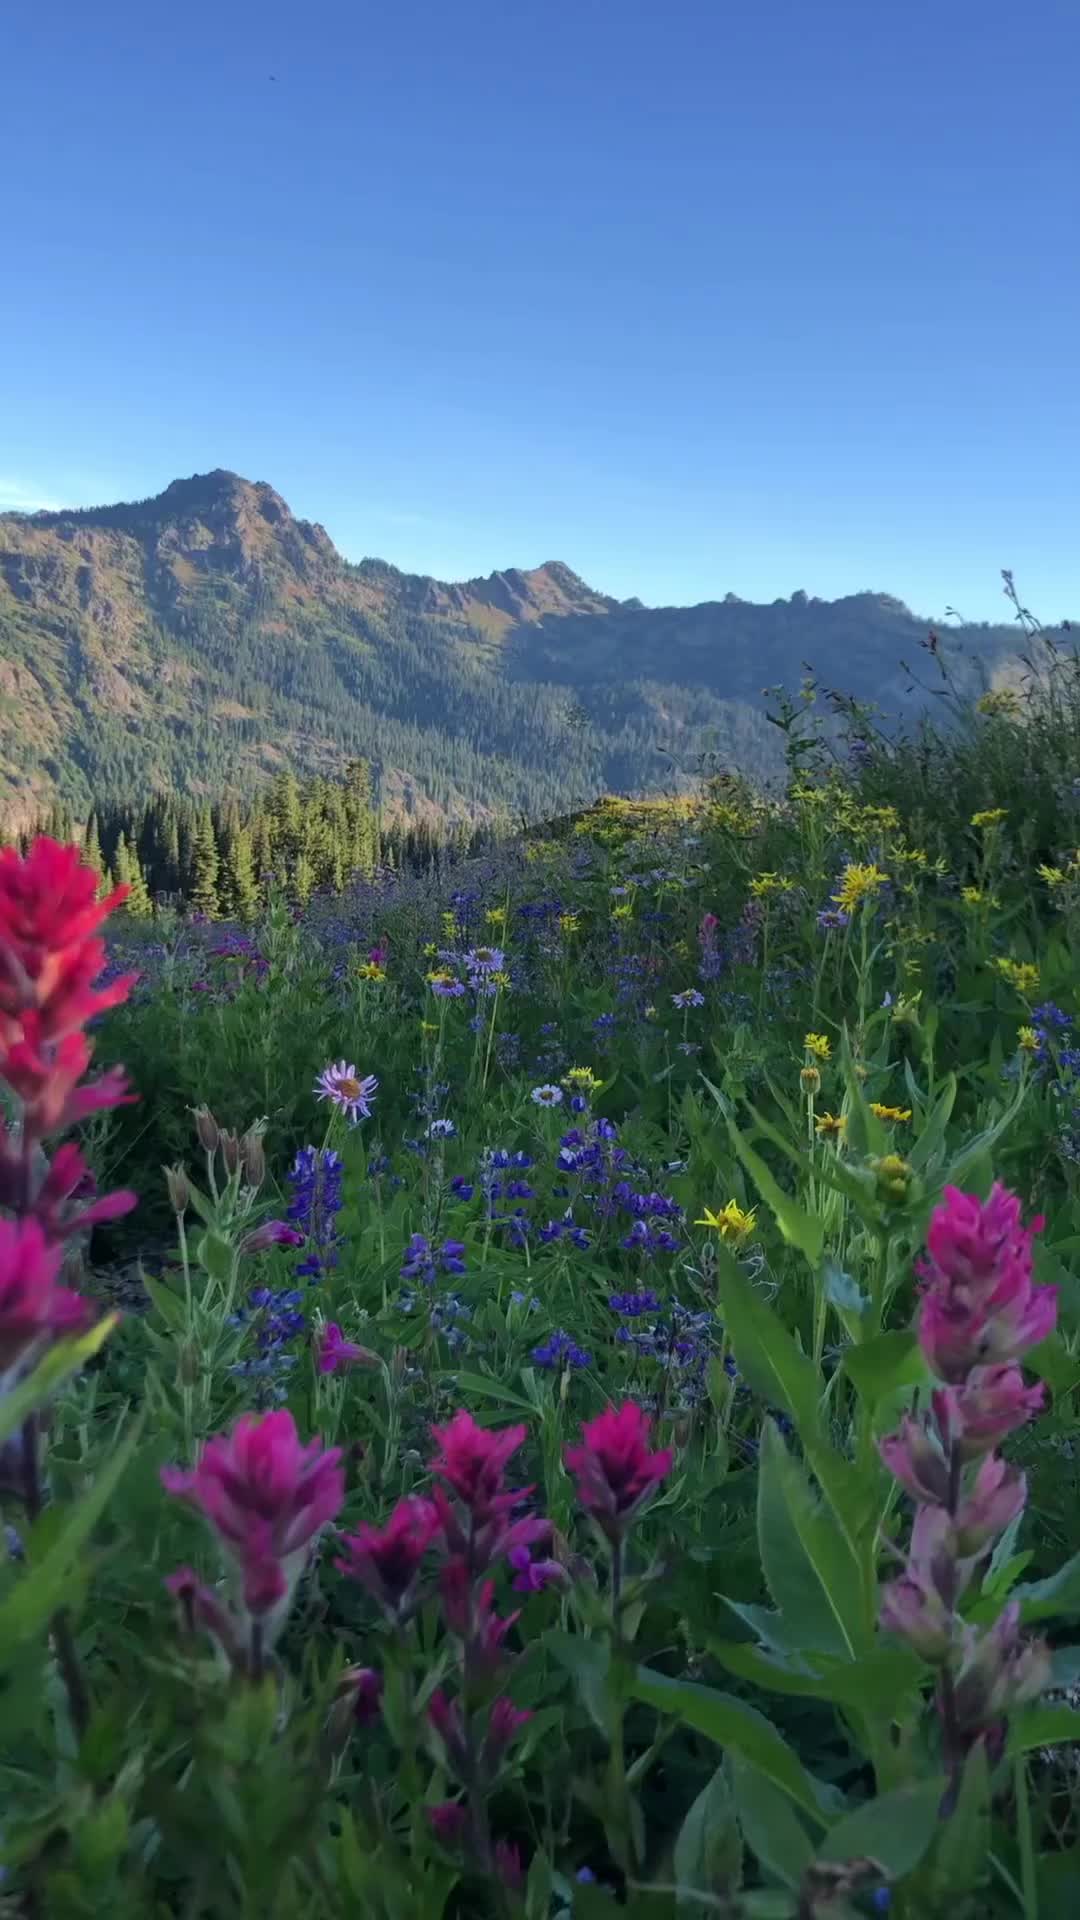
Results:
<point x="67" y="1658"/>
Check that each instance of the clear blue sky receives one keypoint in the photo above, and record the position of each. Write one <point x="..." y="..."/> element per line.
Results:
<point x="695" y="295"/>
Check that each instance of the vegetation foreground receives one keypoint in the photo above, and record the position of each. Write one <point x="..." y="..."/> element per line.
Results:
<point x="600" y="1433"/>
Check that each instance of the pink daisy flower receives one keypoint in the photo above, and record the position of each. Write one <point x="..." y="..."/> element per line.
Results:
<point x="347" y="1090"/>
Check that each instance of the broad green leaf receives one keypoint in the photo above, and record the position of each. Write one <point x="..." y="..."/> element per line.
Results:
<point x="813" y="1575"/>
<point x="786" y="1378"/>
<point x="1053" y="1362"/>
<point x="799" y="1228"/>
<point x="771" y="1827"/>
<point x="171" y="1305"/>
<point x="958" y="1861"/>
<point x="1058" y="1594"/>
<point x="932" y="1135"/>
<point x="67" y="1357"/>
<point x="43" y="1586"/>
<point x="885" y="1365"/>
<point x="492" y="1389"/>
<point x="895" y="1829"/>
<point x="740" y="1729"/>
<point x="961" y="1168"/>
<point x="708" y="1849"/>
<point x="215" y="1255"/>
<point x="1043" y="1727"/>
<point x="871" y="1683"/>
<point x="589" y="1663"/>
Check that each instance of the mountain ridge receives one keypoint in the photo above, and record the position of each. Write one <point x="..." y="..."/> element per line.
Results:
<point x="206" y="636"/>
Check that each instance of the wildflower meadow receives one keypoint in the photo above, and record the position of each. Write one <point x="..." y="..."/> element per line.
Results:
<point x="595" y="1429"/>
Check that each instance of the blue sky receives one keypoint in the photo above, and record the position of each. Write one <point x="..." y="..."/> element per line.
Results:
<point x="695" y="295"/>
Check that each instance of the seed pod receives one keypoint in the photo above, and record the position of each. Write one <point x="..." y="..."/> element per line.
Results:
<point x="207" y="1129"/>
<point x="179" y="1191"/>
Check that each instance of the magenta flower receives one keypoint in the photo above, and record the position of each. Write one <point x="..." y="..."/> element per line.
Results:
<point x="991" y="1404"/>
<point x="999" y="1671"/>
<point x="272" y="1233"/>
<point x="918" y="1607"/>
<point x="472" y="1459"/>
<point x="387" y="1560"/>
<point x="479" y="1524"/>
<point x="504" y="1724"/>
<point x="616" y="1471"/>
<point x="509" y="1865"/>
<point x="265" y="1494"/>
<point x="34" y="1308"/>
<point x="446" y="1721"/>
<point x="917" y="1461"/>
<point x="996" y="1497"/>
<point x="449" y="1823"/>
<point x="347" y="1090"/>
<point x="334" y="1354"/>
<point x="980" y="1304"/>
<point x="363" y="1686"/>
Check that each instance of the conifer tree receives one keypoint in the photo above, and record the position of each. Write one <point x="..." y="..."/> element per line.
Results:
<point x="240" y="890"/>
<point x="205" y="868"/>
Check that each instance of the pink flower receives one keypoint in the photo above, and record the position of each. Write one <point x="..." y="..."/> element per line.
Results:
<point x="505" y="1722"/>
<point x="472" y="1459"/>
<point x="34" y="1308"/>
<point x="272" y="1233"/>
<point x="449" y="1823"/>
<point x="919" y="1606"/>
<point x="995" y="1499"/>
<point x="469" y="1611"/>
<point x="199" y="1606"/>
<point x="532" y="1576"/>
<point x="69" y="1181"/>
<point x="915" y="1459"/>
<point x="363" y="1686"/>
<point x="387" y="1560"/>
<point x="615" y="1469"/>
<point x="991" y="1404"/>
<point x="999" y="1671"/>
<point x="266" y="1495"/>
<point x="508" y="1865"/>
<point x="979" y="1303"/>
<point x="333" y="1353"/>
<point x="45" y="1075"/>
<point x="347" y="1090"/>
<point x="49" y="955"/>
<point x="445" y="1718"/>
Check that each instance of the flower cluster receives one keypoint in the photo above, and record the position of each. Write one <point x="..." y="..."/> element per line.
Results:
<point x="980" y="1312"/>
<point x="315" y="1183"/>
<point x="51" y="959"/>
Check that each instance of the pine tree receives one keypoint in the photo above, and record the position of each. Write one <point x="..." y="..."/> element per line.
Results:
<point x="205" y="867"/>
<point x="241" y="892"/>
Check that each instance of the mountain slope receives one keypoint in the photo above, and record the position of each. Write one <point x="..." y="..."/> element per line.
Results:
<point x="206" y="637"/>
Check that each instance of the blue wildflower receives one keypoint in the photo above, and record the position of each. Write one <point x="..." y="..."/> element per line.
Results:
<point x="559" y="1350"/>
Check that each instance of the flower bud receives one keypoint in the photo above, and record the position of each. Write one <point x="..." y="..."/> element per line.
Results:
<point x="207" y="1129"/>
<point x="810" y="1081"/>
<point x="996" y="1498"/>
<point x="179" y="1191"/>
<point x="230" y="1151"/>
<point x="916" y="1460"/>
<point x="253" y="1157"/>
<point x="893" y="1179"/>
<point x="272" y="1233"/>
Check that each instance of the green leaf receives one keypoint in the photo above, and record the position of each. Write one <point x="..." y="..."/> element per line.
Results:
<point x="961" y="1168"/>
<point x="963" y="1841"/>
<point x="799" y="1228"/>
<point x="813" y="1575"/>
<point x="786" y="1378"/>
<point x="932" y="1135"/>
<point x="215" y="1255"/>
<point x="492" y="1389"/>
<point x="63" y="1359"/>
<point x="708" y="1850"/>
<point x="1058" y="1594"/>
<point x="589" y="1664"/>
<point x="771" y="1827"/>
<point x="742" y="1730"/>
<point x="873" y="1682"/>
<point x="885" y="1365"/>
<point x="1043" y="1727"/>
<point x="895" y="1829"/>
<point x="43" y="1586"/>
<point x="171" y="1306"/>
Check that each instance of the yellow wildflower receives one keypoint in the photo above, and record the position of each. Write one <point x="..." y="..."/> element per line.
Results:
<point x="974" y="897"/>
<point x="1019" y="974"/>
<point x="858" y="883"/>
<point x="810" y="1081"/>
<point x="832" y="1126"/>
<point x="568" y="923"/>
<point x="450" y="926"/>
<point x="766" y="883"/>
<point x="1052" y="875"/>
<point x="731" y="1223"/>
<point x="429" y="950"/>
<point x="1001" y="702"/>
<point x="581" y="1080"/>
<point x="496" y="916"/>
<point x="889" y="1113"/>
<point x="441" y="977"/>
<point x="990" y="817"/>
<point x="623" y="910"/>
<point x="818" y="1044"/>
<point x="500" y="977"/>
<point x="1027" y="1040"/>
<point x="370" y="970"/>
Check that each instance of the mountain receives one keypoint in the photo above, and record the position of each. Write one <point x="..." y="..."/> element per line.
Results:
<point x="203" y="639"/>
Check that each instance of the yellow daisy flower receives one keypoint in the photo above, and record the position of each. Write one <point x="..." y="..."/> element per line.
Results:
<point x="889" y="1113"/>
<point x="818" y="1044"/>
<point x="831" y="1126"/>
<point x="732" y="1223"/>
